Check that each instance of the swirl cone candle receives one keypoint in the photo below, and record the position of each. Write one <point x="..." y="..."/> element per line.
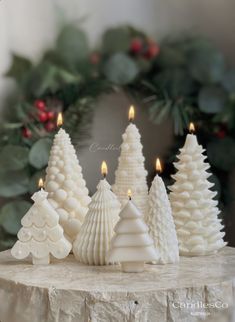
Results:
<point x="160" y="221"/>
<point x="93" y="241"/>
<point x="194" y="209"/>
<point x="41" y="234"/>
<point x="131" y="245"/>
<point x="65" y="184"/>
<point x="131" y="173"/>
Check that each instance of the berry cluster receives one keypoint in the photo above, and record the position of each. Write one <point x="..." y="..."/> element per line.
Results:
<point x="145" y="48"/>
<point x="42" y="115"/>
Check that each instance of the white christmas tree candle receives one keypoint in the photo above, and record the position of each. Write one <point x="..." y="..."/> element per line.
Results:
<point x="65" y="184"/>
<point x="41" y="234"/>
<point x="194" y="209"/>
<point x="131" y="245"/>
<point x="93" y="241"/>
<point x="131" y="173"/>
<point x="160" y="221"/>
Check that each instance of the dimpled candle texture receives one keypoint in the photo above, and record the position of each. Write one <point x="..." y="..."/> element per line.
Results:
<point x="131" y="173"/>
<point x="161" y="224"/>
<point x="93" y="241"/>
<point x="41" y="233"/>
<point x="65" y="184"/>
<point x="131" y="243"/>
<point x="195" y="211"/>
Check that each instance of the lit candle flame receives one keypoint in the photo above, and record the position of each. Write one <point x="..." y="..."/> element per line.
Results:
<point x="59" y="119"/>
<point x="158" y="166"/>
<point x="131" y="113"/>
<point x="191" y="127"/>
<point x="129" y="194"/>
<point x="40" y="183"/>
<point x="104" y="169"/>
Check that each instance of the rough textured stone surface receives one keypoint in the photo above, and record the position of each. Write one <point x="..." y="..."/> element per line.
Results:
<point x="66" y="291"/>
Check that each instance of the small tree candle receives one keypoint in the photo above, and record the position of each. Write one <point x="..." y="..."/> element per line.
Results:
<point x="41" y="234"/>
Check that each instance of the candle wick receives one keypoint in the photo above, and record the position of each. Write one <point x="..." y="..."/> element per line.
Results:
<point x="104" y="175"/>
<point x="129" y="197"/>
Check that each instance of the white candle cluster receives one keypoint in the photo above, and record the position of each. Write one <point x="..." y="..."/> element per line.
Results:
<point x="194" y="209"/>
<point x="161" y="224"/>
<point x="93" y="241"/>
<point x="131" y="173"/>
<point x="41" y="233"/>
<point x="65" y="184"/>
<point x="132" y="245"/>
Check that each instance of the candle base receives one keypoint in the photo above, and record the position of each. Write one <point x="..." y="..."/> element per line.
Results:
<point x="41" y="261"/>
<point x="132" y="267"/>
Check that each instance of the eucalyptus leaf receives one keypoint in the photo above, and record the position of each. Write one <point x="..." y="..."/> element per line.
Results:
<point x="207" y="65"/>
<point x="116" y="40"/>
<point x="11" y="215"/>
<point x="72" y="45"/>
<point x="212" y="99"/>
<point x="13" y="183"/>
<point x="14" y="157"/>
<point x="39" y="153"/>
<point x="228" y="81"/>
<point x="120" y="69"/>
<point x="221" y="153"/>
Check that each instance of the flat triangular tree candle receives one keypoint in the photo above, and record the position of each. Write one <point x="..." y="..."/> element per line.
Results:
<point x="131" y="245"/>
<point x="41" y="234"/>
<point x="65" y="184"/>
<point x="194" y="209"/>
<point x="131" y="173"/>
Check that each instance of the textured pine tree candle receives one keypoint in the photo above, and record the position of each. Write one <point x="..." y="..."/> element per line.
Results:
<point x="93" y="241"/>
<point x="65" y="184"/>
<point x="160" y="222"/>
<point x="194" y="209"/>
<point x="131" y="173"/>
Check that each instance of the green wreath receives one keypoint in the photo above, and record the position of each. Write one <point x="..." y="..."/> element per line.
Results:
<point x="184" y="79"/>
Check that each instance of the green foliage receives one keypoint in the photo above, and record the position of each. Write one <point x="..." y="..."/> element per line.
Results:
<point x="120" y="69"/>
<point x="221" y="154"/>
<point x="11" y="215"/>
<point x="116" y="40"/>
<point x="19" y="69"/>
<point x="212" y="99"/>
<point x="13" y="183"/>
<point x="13" y="157"/>
<point x="72" y="45"/>
<point x="39" y="153"/>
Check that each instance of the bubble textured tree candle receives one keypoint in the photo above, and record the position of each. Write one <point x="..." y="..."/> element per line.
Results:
<point x="160" y="221"/>
<point x="131" y="173"/>
<point x="41" y="233"/>
<point x="194" y="209"/>
<point x="93" y="241"/>
<point x="65" y="184"/>
<point x="132" y="245"/>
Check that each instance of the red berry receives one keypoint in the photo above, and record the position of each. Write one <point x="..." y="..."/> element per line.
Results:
<point x="136" y="45"/>
<point x="152" y="50"/>
<point x="40" y="105"/>
<point x="26" y="133"/>
<point x="220" y="134"/>
<point x="95" y="58"/>
<point x="50" y="115"/>
<point x="43" y="117"/>
<point x="50" y="126"/>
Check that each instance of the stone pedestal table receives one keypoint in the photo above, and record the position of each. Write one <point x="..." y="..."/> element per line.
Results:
<point x="66" y="291"/>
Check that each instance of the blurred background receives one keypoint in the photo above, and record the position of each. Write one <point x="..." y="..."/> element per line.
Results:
<point x="174" y="60"/>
